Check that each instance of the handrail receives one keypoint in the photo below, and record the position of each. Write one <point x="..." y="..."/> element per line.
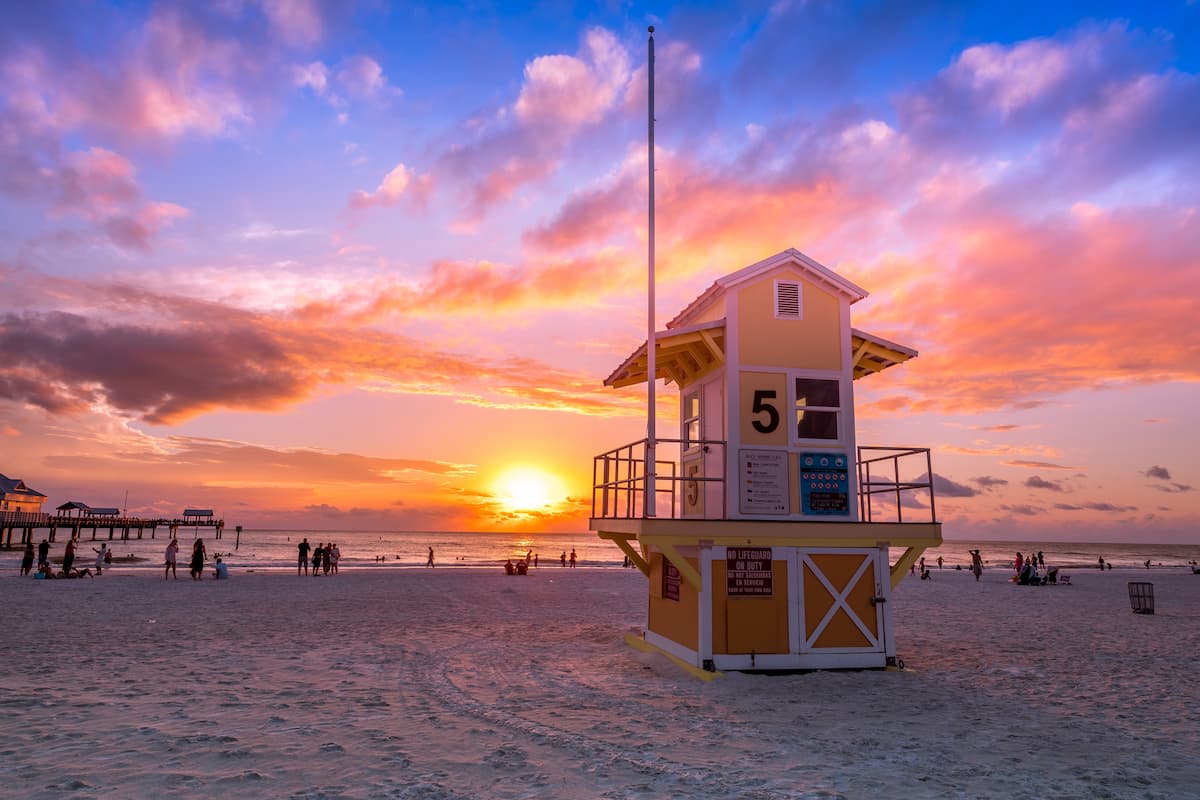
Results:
<point x="868" y="486"/>
<point x="619" y="479"/>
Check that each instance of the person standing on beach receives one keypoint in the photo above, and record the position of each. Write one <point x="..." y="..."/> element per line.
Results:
<point x="429" y="561"/>
<point x="43" y="553"/>
<point x="69" y="556"/>
<point x="1041" y="560"/>
<point x="172" y="555"/>
<point x="939" y="562"/>
<point x="563" y="558"/>
<point x="197" y="565"/>
<point x="27" y="558"/>
<point x="302" y="563"/>
<point x="335" y="555"/>
<point x="572" y="559"/>
<point x="316" y="558"/>
<point x="976" y="564"/>
<point x="325" y="556"/>
<point x="100" y="554"/>
<point x="1102" y="563"/>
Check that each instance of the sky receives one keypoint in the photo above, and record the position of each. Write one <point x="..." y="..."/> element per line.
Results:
<point x="366" y="265"/>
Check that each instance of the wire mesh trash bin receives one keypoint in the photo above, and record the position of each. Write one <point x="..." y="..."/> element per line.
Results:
<point x="1141" y="597"/>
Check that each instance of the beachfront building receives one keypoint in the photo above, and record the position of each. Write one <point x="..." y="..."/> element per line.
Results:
<point x="16" y="497"/>
<point x="769" y="539"/>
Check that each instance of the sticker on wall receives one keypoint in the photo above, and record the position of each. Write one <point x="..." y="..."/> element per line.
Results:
<point x="824" y="483"/>
<point x="763" y="482"/>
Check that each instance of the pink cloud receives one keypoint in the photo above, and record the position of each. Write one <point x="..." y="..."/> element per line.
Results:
<point x="562" y="90"/>
<point x="297" y="21"/>
<point x="362" y="77"/>
<point x="398" y="184"/>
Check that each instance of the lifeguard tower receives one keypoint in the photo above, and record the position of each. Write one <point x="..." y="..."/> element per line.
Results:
<point x="767" y="545"/>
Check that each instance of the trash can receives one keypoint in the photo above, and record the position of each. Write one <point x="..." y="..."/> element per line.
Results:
<point x="1141" y="597"/>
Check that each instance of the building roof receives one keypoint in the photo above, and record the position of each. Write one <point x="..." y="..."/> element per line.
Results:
<point x="684" y="354"/>
<point x="680" y="355"/>
<point x="197" y="512"/>
<point x="73" y="505"/>
<point x="17" y="486"/>
<point x="104" y="512"/>
<point x="790" y="257"/>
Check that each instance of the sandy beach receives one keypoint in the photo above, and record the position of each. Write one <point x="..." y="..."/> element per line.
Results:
<point x="470" y="684"/>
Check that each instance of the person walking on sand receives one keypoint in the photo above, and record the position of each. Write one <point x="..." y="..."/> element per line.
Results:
<point x="976" y="564"/>
<point x="197" y="564"/>
<point x="69" y="556"/>
<point x="100" y="554"/>
<point x="429" y="561"/>
<point x="572" y="559"/>
<point x="302" y="560"/>
<point x="939" y="562"/>
<point x="27" y="558"/>
<point x="172" y="555"/>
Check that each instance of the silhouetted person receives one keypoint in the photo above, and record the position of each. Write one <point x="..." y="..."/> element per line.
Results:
<point x="302" y="559"/>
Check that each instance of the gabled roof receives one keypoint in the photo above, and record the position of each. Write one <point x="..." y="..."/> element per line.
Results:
<point x="74" y="505"/>
<point x="17" y="486"/>
<point x="790" y="257"/>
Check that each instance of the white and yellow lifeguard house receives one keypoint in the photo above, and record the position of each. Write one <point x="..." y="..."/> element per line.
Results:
<point x="766" y="546"/>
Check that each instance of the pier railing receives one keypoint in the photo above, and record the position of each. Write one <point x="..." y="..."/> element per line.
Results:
<point x="26" y="522"/>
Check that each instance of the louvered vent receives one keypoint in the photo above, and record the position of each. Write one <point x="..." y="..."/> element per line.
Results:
<point x="787" y="300"/>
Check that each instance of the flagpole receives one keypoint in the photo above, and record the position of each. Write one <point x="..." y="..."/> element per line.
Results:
<point x="651" y="347"/>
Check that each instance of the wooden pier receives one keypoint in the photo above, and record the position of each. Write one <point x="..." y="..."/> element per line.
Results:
<point x="119" y="527"/>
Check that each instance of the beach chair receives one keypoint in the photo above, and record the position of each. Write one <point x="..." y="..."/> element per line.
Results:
<point x="1064" y="580"/>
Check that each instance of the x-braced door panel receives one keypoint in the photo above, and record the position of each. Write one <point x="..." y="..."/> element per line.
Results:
<point x="838" y="608"/>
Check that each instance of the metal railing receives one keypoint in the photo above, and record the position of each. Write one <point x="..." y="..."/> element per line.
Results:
<point x="870" y="485"/>
<point x="619" y="479"/>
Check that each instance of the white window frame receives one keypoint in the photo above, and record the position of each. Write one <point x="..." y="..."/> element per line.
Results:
<point x="794" y="404"/>
<point x="687" y="443"/>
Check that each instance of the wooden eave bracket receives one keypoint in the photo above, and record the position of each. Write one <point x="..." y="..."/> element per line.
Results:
<point x="904" y="563"/>
<point x="686" y="570"/>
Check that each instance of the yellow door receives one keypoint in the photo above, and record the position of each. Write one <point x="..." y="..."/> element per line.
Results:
<point x="838" y="608"/>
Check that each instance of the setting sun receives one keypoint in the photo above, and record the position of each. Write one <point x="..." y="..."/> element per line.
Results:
<point x="527" y="489"/>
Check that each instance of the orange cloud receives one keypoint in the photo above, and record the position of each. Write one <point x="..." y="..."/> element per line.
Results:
<point x="65" y="363"/>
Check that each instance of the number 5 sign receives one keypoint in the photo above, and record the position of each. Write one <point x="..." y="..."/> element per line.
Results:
<point x="764" y="405"/>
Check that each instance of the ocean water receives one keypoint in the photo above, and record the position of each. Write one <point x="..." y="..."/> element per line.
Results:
<point x="272" y="550"/>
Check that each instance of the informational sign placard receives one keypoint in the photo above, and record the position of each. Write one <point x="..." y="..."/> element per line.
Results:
<point x="670" y="585"/>
<point x="763" y="482"/>
<point x="824" y="483"/>
<point x="748" y="572"/>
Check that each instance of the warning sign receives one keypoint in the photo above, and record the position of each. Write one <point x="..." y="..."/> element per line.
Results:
<point x="748" y="572"/>
<point x="670" y="580"/>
